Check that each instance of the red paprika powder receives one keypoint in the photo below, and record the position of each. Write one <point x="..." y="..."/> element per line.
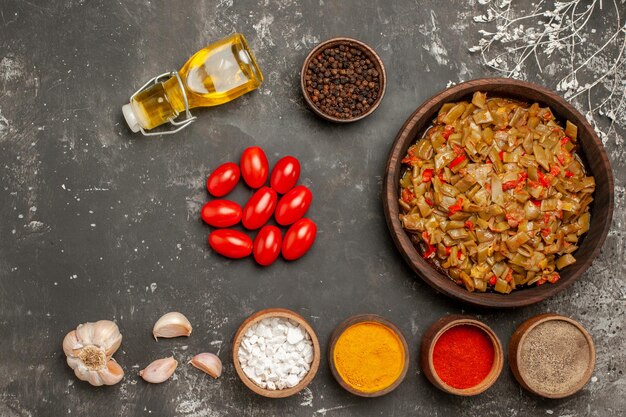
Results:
<point x="463" y="356"/>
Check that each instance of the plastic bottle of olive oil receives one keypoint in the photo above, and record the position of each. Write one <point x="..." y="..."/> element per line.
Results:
<point x="214" y="75"/>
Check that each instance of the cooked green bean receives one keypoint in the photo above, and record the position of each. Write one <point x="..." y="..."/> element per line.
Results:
<point x="496" y="195"/>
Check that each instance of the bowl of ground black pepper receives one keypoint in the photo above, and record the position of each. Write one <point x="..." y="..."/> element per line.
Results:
<point x="552" y="356"/>
<point x="343" y="80"/>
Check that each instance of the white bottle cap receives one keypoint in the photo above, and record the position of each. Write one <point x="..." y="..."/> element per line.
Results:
<point x="131" y="118"/>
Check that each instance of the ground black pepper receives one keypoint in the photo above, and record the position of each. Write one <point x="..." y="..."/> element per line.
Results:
<point x="342" y="81"/>
<point x="554" y="357"/>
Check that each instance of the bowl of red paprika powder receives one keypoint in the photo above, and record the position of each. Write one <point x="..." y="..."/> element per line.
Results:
<point x="461" y="355"/>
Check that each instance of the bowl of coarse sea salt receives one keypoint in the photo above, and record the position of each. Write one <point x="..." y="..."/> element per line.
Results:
<point x="276" y="353"/>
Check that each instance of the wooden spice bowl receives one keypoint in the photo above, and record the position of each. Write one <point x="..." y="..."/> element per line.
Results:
<point x="273" y="313"/>
<point x="363" y="318"/>
<point x="428" y="345"/>
<point x="352" y="43"/>
<point x="515" y="352"/>
<point x="590" y="149"/>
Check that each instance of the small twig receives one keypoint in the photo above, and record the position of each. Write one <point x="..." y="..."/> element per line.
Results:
<point x="520" y="33"/>
<point x="584" y="64"/>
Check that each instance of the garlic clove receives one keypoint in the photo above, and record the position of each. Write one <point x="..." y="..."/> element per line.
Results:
<point x="159" y="371"/>
<point x="107" y="335"/>
<point x="103" y="333"/>
<point x="93" y="377"/>
<point x="114" y="345"/>
<point x="112" y="374"/>
<point x="172" y="324"/>
<point x="84" y="333"/>
<point x="74" y="362"/>
<point x="208" y="363"/>
<point x="71" y="344"/>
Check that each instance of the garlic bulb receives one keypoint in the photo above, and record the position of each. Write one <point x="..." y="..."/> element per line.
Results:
<point x="89" y="349"/>
<point x="172" y="324"/>
<point x="208" y="363"/>
<point x="159" y="370"/>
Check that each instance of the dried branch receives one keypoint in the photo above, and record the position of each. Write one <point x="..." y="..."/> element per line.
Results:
<point x="561" y="32"/>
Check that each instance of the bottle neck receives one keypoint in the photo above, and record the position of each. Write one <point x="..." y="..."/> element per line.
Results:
<point x="175" y="95"/>
<point x="159" y="104"/>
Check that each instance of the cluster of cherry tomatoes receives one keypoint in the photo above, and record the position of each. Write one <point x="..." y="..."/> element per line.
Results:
<point x="289" y="210"/>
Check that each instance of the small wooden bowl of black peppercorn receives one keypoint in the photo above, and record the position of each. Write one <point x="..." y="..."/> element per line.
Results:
<point x="343" y="80"/>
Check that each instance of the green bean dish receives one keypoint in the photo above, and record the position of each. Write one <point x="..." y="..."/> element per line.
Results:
<point x="495" y="195"/>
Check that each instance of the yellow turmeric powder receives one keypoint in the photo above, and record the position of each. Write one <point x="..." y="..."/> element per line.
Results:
<point x="369" y="356"/>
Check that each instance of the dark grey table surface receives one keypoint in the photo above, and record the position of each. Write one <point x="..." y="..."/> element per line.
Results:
<point x="99" y="223"/>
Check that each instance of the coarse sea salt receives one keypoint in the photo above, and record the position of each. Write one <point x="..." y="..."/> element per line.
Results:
<point x="276" y="353"/>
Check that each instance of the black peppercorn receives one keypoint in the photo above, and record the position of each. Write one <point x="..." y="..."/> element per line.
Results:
<point x="342" y="81"/>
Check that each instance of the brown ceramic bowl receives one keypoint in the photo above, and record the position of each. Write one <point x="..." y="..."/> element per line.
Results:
<point x="428" y="345"/>
<point x="591" y="150"/>
<point x="352" y="43"/>
<point x="515" y="351"/>
<point x="271" y="313"/>
<point x="360" y="318"/>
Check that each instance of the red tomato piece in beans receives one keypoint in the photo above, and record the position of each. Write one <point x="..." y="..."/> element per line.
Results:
<point x="230" y="243"/>
<point x="221" y="213"/>
<point x="267" y="245"/>
<point x="223" y="179"/>
<point x="259" y="208"/>
<point x="293" y="205"/>
<point x="298" y="239"/>
<point x="254" y="166"/>
<point x="285" y="174"/>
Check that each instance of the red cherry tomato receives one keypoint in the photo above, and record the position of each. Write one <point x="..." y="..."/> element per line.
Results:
<point x="267" y="245"/>
<point x="221" y="213"/>
<point x="230" y="243"/>
<point x="223" y="179"/>
<point x="293" y="205"/>
<point x="285" y="174"/>
<point x="259" y="208"/>
<point x="254" y="166"/>
<point x="298" y="239"/>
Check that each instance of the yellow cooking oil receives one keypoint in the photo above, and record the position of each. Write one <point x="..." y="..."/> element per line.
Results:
<point x="214" y="75"/>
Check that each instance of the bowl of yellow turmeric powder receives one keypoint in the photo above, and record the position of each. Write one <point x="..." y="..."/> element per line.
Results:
<point x="368" y="355"/>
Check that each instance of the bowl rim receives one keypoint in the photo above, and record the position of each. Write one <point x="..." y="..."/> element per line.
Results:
<point x="372" y="54"/>
<point x="364" y="318"/>
<point x="271" y="313"/>
<point x="441" y="326"/>
<point x="515" y="351"/>
<point x="425" y="270"/>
